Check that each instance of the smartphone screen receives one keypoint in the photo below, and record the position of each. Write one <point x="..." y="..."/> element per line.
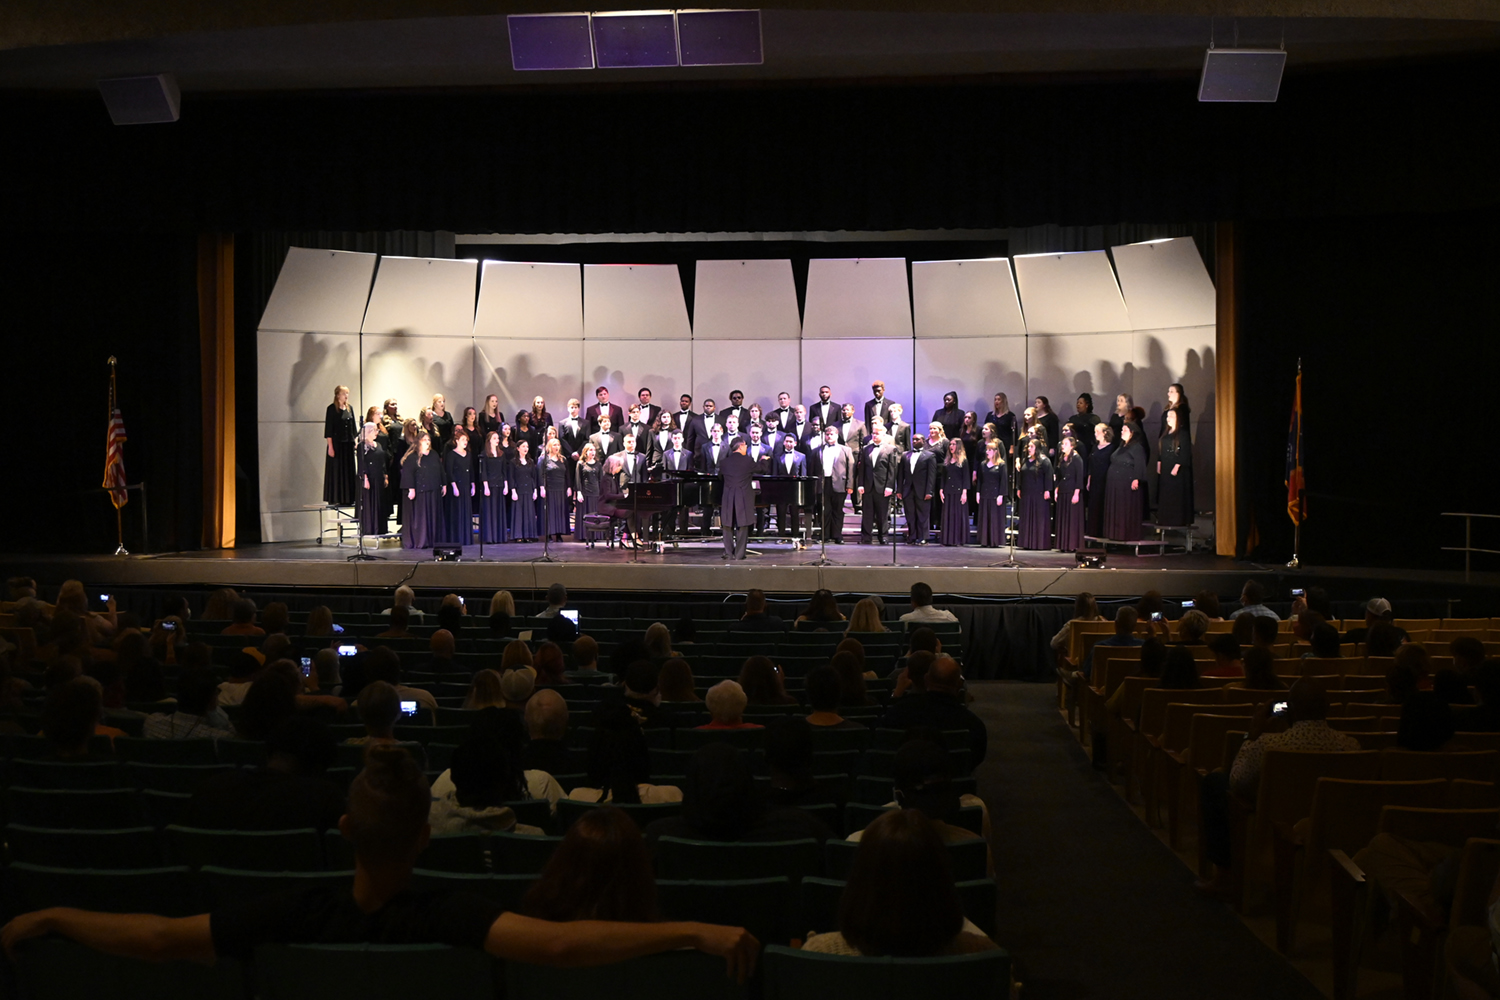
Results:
<point x="338" y="629"/>
<point x="346" y="650"/>
<point x="104" y="598"/>
<point x="570" y="615"/>
<point x="169" y="626"/>
<point x="307" y="666"/>
<point x="1278" y="708"/>
<point x="1156" y="616"/>
<point x="1187" y="604"/>
<point x="408" y="708"/>
<point x="1297" y="592"/>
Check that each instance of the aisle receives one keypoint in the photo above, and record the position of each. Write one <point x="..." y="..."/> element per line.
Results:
<point x="1091" y="903"/>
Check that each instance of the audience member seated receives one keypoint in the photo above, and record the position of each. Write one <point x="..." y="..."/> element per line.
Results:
<point x="276" y="618"/>
<point x="619" y="765"/>
<point x="1153" y="659"/>
<point x="1253" y="602"/>
<point x="866" y="617"/>
<point x="507" y="729"/>
<point x="557" y="599"/>
<point x="822" y="608"/>
<point x="220" y="605"/>
<point x="658" y="640"/>
<point x="720" y="801"/>
<point x="450" y="614"/>
<point x="789" y="755"/>
<point x="1468" y="654"/>
<point x="585" y="655"/>
<point x="1229" y="656"/>
<point x="1377" y="612"/>
<point x="760" y="678"/>
<point x="600" y="871"/>
<point x="913" y="676"/>
<point x="922" y="609"/>
<point x="1426" y="723"/>
<point x="1192" y="627"/>
<point x="685" y="632"/>
<point x="243" y="622"/>
<point x="547" y="725"/>
<point x="1451" y="689"/>
<point x="676" y="682"/>
<point x="1414" y="656"/>
<point x="642" y="696"/>
<point x="271" y="700"/>
<point x="517" y="654"/>
<point x="243" y="666"/>
<point x="197" y="713"/>
<point x="326" y="671"/>
<point x="825" y="693"/>
<point x="921" y="640"/>
<point x="922" y="779"/>
<point x="404" y="599"/>
<point x="1303" y="625"/>
<point x="1401" y="682"/>
<point x="560" y="629"/>
<point x="1207" y="602"/>
<point x="900" y="899"/>
<point x="1126" y="620"/>
<point x="69" y="717"/>
<point x="319" y="624"/>
<point x="856" y="649"/>
<point x="1484" y="717"/>
<point x="517" y="686"/>
<point x="379" y="708"/>
<point x="387" y="823"/>
<point x="1085" y="609"/>
<point x="289" y="793"/>
<point x="502" y="610"/>
<point x="1384" y="639"/>
<point x="383" y="664"/>
<point x="939" y="708"/>
<point x="726" y="703"/>
<point x="756" y="618"/>
<point x="482" y="778"/>
<point x="484" y="691"/>
<point x="548" y="664"/>
<point x="1264" y="632"/>
<point x="97" y="627"/>
<point x="442" y="646"/>
<point x="1326" y="642"/>
<point x="1180" y="671"/>
<point x="1303" y="727"/>
<point x="1259" y="670"/>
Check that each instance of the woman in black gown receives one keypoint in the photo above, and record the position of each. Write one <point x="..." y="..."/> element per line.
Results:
<point x="524" y="484"/>
<point x="1174" y="470"/>
<point x="422" y="482"/>
<point x="493" y="527"/>
<point x="992" y="483"/>
<point x="1072" y="479"/>
<point x="458" y="507"/>
<point x="1098" y="477"/>
<point x="470" y="425"/>
<point x="489" y="418"/>
<point x="970" y="433"/>
<point x="555" y="490"/>
<point x="442" y="424"/>
<point x="1036" y="497"/>
<point x="953" y="489"/>
<point x="1122" y="502"/>
<point x="339" y="433"/>
<point x="950" y="416"/>
<point x="586" y="483"/>
<point x="372" y="482"/>
<point x="1048" y="420"/>
<point x="1005" y="424"/>
<point x="1177" y="400"/>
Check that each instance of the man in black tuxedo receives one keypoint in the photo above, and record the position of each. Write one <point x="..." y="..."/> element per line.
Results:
<point x="606" y="439"/>
<point x="604" y="407"/>
<point x="879" y="406"/>
<point x="649" y="410"/>
<point x="573" y="433"/>
<point x="836" y="479"/>
<point x="782" y="415"/>
<point x="739" y="501"/>
<point x="899" y="430"/>
<point x="825" y="409"/>
<point x="917" y="483"/>
<point x="734" y="430"/>
<point x="638" y="429"/>
<point x="737" y="408"/>
<point x="689" y="423"/>
<point x="879" y="465"/>
<point x="676" y="459"/>
<point x="710" y="456"/>
<point x="807" y="437"/>
<point x="760" y="452"/>
<point x="789" y="463"/>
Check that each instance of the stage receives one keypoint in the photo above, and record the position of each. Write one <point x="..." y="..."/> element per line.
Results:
<point x="698" y="567"/>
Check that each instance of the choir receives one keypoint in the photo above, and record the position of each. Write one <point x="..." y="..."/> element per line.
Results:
<point x="445" y="480"/>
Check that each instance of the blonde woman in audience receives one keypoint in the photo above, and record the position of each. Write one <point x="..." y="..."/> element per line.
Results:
<point x="659" y="642"/>
<point x="484" y="692"/>
<point x="866" y="617"/>
<point x="71" y="597"/>
<point x="502" y="603"/>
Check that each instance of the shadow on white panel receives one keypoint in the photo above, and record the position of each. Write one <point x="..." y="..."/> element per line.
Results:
<point x="1070" y="293"/>
<point x="1061" y="368"/>
<point x="298" y="373"/>
<point x="1163" y="357"/>
<point x="627" y="366"/>
<point x="849" y="366"/>
<point x="414" y="369"/>
<point x="517" y="370"/>
<point x="422" y="297"/>
<point x="965" y="298"/>
<point x="291" y="465"/>
<point x="852" y="299"/>
<point x="289" y="526"/>
<point x="975" y="369"/>
<point x="761" y="370"/>
<point x="745" y="300"/>
<point x="530" y="301"/>
<point x="1165" y="284"/>
<point x="634" y="302"/>
<point x="323" y="290"/>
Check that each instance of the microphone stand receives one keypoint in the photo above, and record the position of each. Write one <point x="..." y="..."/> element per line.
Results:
<point x="546" y="556"/>
<point x="359" y="536"/>
<point x="1013" y="495"/>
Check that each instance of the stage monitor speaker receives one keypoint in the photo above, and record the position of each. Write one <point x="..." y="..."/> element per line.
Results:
<point x="550" y="41"/>
<point x="1089" y="558"/>
<point x="447" y="553"/>
<point x="1241" y="75"/>
<point x="142" y="100"/>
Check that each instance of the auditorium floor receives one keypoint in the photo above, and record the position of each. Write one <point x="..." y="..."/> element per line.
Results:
<point x="1092" y="903"/>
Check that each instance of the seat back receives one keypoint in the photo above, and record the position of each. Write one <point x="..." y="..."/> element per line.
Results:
<point x="692" y="739"/>
<point x="1475" y="741"/>
<point x="1439" y="826"/>
<point x="678" y="858"/>
<point x="1346" y="814"/>
<point x="258" y="850"/>
<point x="1466" y="794"/>
<point x="170" y="777"/>
<point x="798" y="975"/>
<point x="1177" y="728"/>
<point x="673" y="975"/>
<point x="54" y="968"/>
<point x="1154" y="701"/>
<point x="195" y="751"/>
<point x="167" y="892"/>
<point x="77" y="809"/>
<point x="224" y="886"/>
<point x="506" y="890"/>
<point x="1289" y="778"/>
<point x="818" y="904"/>
<point x="967" y="859"/>
<point x="135" y="848"/>
<point x="371" y="971"/>
<point x="518" y="854"/>
<point x="57" y="774"/>
<point x="1412" y="765"/>
<point x="569" y="810"/>
<point x="760" y="905"/>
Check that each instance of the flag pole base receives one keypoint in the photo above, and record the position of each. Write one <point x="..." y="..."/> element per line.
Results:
<point x="122" y="551"/>
<point x="1294" y="564"/>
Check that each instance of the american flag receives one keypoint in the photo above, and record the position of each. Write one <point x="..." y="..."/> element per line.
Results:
<point x="114" y="459"/>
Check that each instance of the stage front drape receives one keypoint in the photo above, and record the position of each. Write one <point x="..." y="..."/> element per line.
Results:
<point x="1226" y="497"/>
<point x="216" y="345"/>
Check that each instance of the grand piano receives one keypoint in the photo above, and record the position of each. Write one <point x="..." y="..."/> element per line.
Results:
<point x="695" y="489"/>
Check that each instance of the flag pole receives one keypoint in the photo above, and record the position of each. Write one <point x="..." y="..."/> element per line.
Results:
<point x="1295" y="563"/>
<point x="120" y="549"/>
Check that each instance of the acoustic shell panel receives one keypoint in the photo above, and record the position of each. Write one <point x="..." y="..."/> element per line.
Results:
<point x="634" y="302"/>
<point x="323" y="290"/>
<point x="760" y="369"/>
<point x="298" y="373"/>
<point x="965" y="298"/>
<point x="1062" y="367"/>
<point x="527" y="301"/>
<point x="849" y="366"/>
<point x="625" y="366"/>
<point x="861" y="298"/>
<point x="291" y="466"/>
<point x="414" y="369"/>
<point x="745" y="300"/>
<point x="422" y="297"/>
<point x="517" y="370"/>
<point x="1165" y="285"/>
<point x="1186" y="356"/>
<point x="1070" y="293"/>
<point x="975" y="369"/>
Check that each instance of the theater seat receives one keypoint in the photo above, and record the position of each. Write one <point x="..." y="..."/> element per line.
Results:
<point x="222" y="886"/>
<point x="371" y="971"/>
<point x="167" y="892"/>
<point x="258" y="850"/>
<point x="818" y="904"/>
<point x="799" y="975"/>
<point x="133" y="847"/>
<point x="760" y="905"/>
<point x="54" y="968"/>
<point x="677" y="858"/>
<point x="677" y="975"/>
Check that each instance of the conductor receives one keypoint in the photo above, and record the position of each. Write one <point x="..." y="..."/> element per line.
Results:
<point x="738" y="511"/>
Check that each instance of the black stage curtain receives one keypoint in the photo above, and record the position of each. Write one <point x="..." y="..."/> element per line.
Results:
<point x="707" y="157"/>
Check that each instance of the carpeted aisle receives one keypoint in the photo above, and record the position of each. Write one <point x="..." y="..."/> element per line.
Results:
<point x="1091" y="903"/>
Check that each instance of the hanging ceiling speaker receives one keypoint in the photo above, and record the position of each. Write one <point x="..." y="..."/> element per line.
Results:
<point x="1241" y="75"/>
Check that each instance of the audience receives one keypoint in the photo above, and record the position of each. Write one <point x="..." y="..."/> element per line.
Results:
<point x="825" y="694"/>
<point x="517" y="687"/>
<point x="557" y="599"/>
<point x="1253" y="602"/>
<point x="585" y="655"/>
<point x="517" y="654"/>
<point x="1426" y="723"/>
<point x="855" y="648"/>
<point x="1377" y="613"/>
<point x="756" y="618"/>
<point x="922" y="609"/>
<point x="822" y="609"/>
<point x="721" y="801"/>
<point x="502" y="610"/>
<point x="482" y="779"/>
<point x="676" y="681"/>
<point x="289" y="793"/>
<point x="547" y="725"/>
<point x="1180" y="672"/>
<point x="383" y="664"/>
<point x="939" y="708"/>
<point x="242" y="621"/>
<point x="619" y="765"/>
<point x="642" y="696"/>
<point x="600" y="871"/>
<point x="866" y="617"/>
<point x="506" y="730"/>
<point x="1326" y="642"/>
<point x="1260" y="672"/>
<point x="197" y="714"/>
<point x="760" y="678"/>
<point x="658" y="640"/>
<point x="789" y="756"/>
<point x="1484" y="717"/>
<point x="548" y="664"/>
<point x="914" y="675"/>
<point x="69" y="718"/>
<point x="852" y="678"/>
<point x="726" y="703"/>
<point x="484" y="691"/>
<point x="379" y="707"/>
<point x="404" y="599"/>
<point x="399" y="627"/>
<point x="1450" y="688"/>
<point x="1228" y="656"/>
<point x="1192" y="627"/>
<point x="1207" y="602"/>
